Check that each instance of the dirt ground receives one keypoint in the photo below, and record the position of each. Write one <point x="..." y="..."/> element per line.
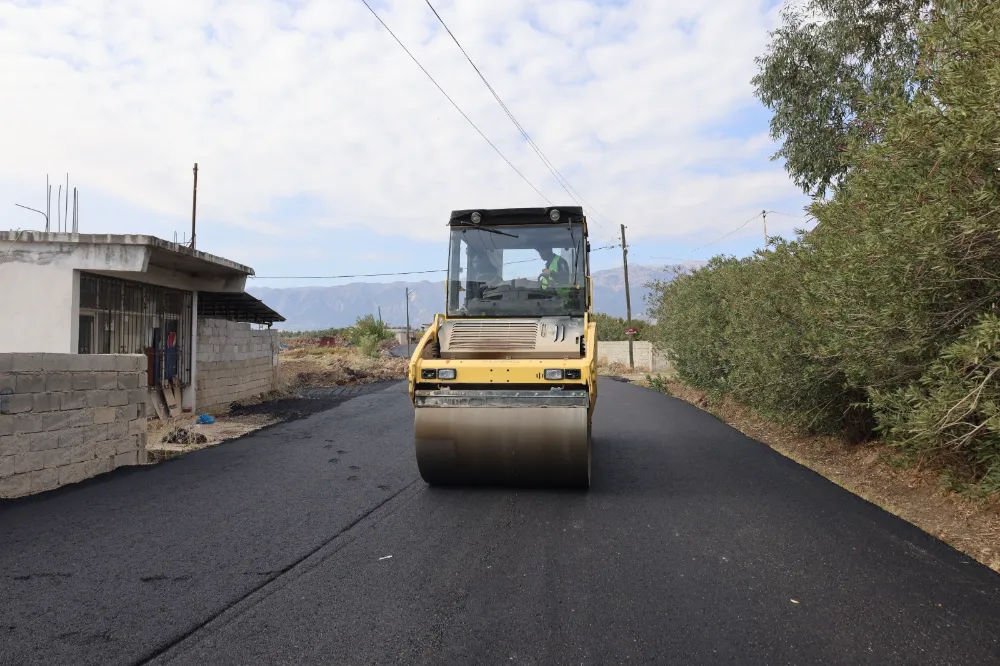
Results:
<point x="867" y="470"/>
<point x="300" y="371"/>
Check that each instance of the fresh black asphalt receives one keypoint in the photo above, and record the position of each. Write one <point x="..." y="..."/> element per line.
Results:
<point x="316" y="542"/>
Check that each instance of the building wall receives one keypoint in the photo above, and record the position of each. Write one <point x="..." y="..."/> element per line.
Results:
<point x="645" y="357"/>
<point x="37" y="302"/>
<point x="234" y="362"/>
<point x="67" y="417"/>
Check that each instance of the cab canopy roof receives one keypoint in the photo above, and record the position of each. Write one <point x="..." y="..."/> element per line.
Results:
<point x="496" y="216"/>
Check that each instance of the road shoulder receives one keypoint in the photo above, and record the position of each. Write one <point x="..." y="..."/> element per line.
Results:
<point x="866" y="470"/>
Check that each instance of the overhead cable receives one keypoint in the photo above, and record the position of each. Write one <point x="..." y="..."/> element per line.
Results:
<point x="457" y="107"/>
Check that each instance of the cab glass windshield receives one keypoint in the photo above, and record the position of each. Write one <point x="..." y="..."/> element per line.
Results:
<point x="517" y="271"/>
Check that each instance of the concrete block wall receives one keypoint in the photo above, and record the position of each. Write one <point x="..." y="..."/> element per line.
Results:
<point x="67" y="417"/>
<point x="643" y="353"/>
<point x="234" y="362"/>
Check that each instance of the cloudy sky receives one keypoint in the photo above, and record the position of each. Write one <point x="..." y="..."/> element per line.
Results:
<point x="324" y="150"/>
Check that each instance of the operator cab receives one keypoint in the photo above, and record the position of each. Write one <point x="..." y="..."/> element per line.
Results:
<point x="497" y="262"/>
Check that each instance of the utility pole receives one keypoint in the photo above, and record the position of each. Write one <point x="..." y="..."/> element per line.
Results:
<point x="407" y="322"/>
<point x="380" y="314"/>
<point x="628" y="300"/>
<point x="764" y="213"/>
<point x="194" y="204"/>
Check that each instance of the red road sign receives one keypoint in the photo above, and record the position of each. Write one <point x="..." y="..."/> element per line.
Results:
<point x="630" y="331"/>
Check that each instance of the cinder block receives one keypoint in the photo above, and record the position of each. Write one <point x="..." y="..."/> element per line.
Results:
<point x="71" y="437"/>
<point x="143" y="379"/>
<point x="6" y="362"/>
<point x="103" y="415"/>
<point x="125" y="445"/>
<point x="128" y="458"/>
<point x="106" y="381"/>
<point x="58" y="457"/>
<point x="139" y="396"/>
<point x="44" y="479"/>
<point x="102" y="363"/>
<point x="58" y="382"/>
<point x="96" y="433"/>
<point x="126" y="412"/>
<point x="6" y="466"/>
<point x="67" y="419"/>
<point x="18" y="485"/>
<point x="117" y="398"/>
<point x="81" y="362"/>
<point x="45" y="441"/>
<point x="82" y="452"/>
<point x="140" y="440"/>
<point x="29" y="462"/>
<point x="99" y="466"/>
<point x="118" y="429"/>
<point x="27" y="362"/>
<point x="8" y="381"/>
<point x="73" y="473"/>
<point x="106" y="449"/>
<point x="16" y="403"/>
<point x="84" y="381"/>
<point x="73" y="400"/>
<point x="138" y="426"/>
<point x="128" y="380"/>
<point x="27" y="423"/>
<point x="31" y="383"/>
<point x="98" y="398"/>
<point x="14" y="444"/>
<point x="55" y="362"/>
<point x="46" y="402"/>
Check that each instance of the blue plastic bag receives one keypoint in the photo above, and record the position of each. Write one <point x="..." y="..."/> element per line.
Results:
<point x="205" y="419"/>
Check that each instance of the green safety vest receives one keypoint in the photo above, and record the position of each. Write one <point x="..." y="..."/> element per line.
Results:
<point x="554" y="267"/>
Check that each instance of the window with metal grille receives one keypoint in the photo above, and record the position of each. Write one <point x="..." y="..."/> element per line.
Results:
<point x="125" y="317"/>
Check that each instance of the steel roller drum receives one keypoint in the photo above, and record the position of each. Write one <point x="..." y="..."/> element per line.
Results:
<point x="534" y="446"/>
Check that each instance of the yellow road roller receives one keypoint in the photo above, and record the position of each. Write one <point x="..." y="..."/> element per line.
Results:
<point x="504" y="383"/>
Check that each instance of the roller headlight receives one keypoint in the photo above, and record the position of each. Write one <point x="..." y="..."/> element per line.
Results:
<point x="555" y="373"/>
<point x="572" y="374"/>
<point x="554" y="215"/>
<point x="446" y="373"/>
<point x="476" y="218"/>
<point x="428" y="373"/>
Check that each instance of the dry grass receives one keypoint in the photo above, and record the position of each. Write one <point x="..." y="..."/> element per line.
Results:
<point x="867" y="471"/>
<point x="337" y="366"/>
<point x="224" y="428"/>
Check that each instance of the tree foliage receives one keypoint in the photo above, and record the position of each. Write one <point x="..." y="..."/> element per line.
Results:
<point x="884" y="318"/>
<point x="613" y="328"/>
<point x="831" y="74"/>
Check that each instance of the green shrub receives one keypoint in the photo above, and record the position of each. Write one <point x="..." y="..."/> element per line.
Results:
<point x="613" y="328"/>
<point x="882" y="319"/>
<point x="367" y="329"/>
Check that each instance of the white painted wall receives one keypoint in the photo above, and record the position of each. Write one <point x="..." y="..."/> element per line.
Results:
<point x="37" y="305"/>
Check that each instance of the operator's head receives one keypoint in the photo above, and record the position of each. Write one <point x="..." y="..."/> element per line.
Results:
<point x="545" y="253"/>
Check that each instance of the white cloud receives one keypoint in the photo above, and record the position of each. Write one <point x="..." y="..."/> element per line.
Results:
<point x="276" y="99"/>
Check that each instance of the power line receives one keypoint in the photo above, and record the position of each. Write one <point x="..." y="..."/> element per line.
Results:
<point x="722" y="237"/>
<point x="413" y="58"/>
<point x="338" y="277"/>
<point x="538" y="151"/>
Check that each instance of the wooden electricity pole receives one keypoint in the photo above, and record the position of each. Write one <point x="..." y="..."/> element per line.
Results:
<point x="628" y="300"/>
<point x="764" y="213"/>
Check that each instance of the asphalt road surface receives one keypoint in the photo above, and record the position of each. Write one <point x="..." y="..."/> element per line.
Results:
<point x="316" y="542"/>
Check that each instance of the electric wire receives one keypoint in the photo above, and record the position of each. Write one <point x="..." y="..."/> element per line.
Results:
<point x="457" y="107"/>
<point x="563" y="182"/>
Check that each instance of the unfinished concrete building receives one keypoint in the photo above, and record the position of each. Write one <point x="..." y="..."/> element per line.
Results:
<point x="185" y="310"/>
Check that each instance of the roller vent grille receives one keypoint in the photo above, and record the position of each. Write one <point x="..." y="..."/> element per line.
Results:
<point x="507" y="336"/>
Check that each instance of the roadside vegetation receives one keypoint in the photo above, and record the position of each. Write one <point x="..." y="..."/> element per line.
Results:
<point x="613" y="328"/>
<point x="883" y="321"/>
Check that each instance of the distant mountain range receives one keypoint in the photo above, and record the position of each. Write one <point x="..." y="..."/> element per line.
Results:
<point x="313" y="308"/>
